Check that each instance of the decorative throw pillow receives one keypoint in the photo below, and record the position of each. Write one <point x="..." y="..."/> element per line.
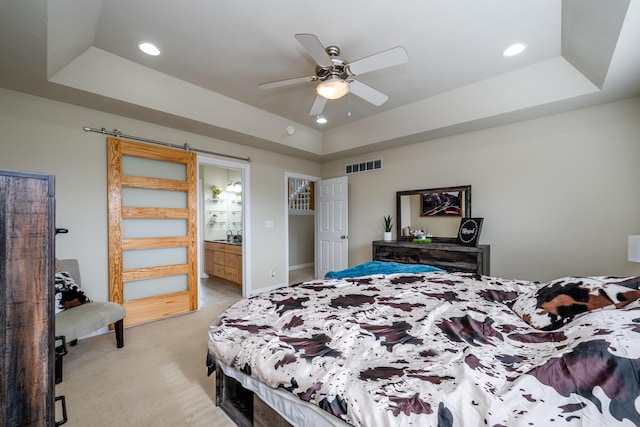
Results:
<point x="68" y="293"/>
<point x="551" y="305"/>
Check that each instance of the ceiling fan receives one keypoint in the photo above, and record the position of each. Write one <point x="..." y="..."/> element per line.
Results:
<point x="335" y="74"/>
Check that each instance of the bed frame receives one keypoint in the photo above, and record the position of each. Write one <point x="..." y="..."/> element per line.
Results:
<point x="243" y="406"/>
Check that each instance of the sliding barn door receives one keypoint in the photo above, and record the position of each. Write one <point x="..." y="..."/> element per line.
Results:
<point x="152" y="230"/>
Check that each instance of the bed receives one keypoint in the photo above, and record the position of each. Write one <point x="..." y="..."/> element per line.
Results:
<point x="439" y="349"/>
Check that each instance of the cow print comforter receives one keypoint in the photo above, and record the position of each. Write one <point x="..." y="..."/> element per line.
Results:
<point x="435" y="349"/>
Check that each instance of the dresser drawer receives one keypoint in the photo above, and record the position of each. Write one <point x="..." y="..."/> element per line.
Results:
<point x="449" y="257"/>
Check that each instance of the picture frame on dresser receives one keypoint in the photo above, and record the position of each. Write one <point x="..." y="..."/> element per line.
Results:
<point x="441" y="203"/>
<point x="469" y="232"/>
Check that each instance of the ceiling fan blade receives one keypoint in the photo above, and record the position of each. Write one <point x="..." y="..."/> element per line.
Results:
<point x="318" y="105"/>
<point x="287" y="82"/>
<point x="313" y="46"/>
<point x="386" y="58"/>
<point x="367" y="93"/>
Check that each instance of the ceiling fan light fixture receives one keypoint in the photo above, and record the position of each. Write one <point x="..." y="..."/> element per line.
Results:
<point x="333" y="88"/>
<point x="321" y="120"/>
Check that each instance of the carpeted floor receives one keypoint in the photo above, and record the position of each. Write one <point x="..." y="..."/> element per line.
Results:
<point x="301" y="275"/>
<point x="157" y="379"/>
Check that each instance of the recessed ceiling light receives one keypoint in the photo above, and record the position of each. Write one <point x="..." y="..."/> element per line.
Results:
<point x="149" y="49"/>
<point x="514" y="49"/>
<point x="321" y="120"/>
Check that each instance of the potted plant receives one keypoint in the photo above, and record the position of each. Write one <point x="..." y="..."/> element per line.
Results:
<point x="215" y="191"/>
<point x="388" y="226"/>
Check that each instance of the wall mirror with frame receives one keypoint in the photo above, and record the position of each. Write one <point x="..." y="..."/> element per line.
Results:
<point x="434" y="210"/>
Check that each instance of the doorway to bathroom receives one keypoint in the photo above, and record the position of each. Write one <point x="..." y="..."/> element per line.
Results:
<point x="222" y="234"/>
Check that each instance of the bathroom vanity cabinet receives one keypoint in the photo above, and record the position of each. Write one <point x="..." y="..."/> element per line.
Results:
<point x="224" y="260"/>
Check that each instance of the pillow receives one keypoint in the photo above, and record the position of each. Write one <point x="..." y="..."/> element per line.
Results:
<point x="551" y="305"/>
<point x="68" y="293"/>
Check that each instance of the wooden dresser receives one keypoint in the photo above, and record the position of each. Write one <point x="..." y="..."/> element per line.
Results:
<point x="447" y="256"/>
<point x="27" y="264"/>
<point x="223" y="260"/>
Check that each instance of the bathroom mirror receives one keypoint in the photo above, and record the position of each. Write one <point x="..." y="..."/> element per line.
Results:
<point x="433" y="210"/>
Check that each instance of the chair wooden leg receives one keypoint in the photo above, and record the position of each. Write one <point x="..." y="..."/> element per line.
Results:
<point x="119" y="327"/>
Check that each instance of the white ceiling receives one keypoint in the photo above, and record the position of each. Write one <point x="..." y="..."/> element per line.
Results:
<point x="216" y="53"/>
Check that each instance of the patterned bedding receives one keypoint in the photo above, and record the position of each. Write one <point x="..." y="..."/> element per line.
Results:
<point x="444" y="349"/>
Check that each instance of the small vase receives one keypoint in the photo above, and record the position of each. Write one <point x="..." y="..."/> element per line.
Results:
<point x="387" y="236"/>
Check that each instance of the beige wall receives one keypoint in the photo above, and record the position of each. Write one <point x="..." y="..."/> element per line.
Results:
<point x="46" y="136"/>
<point x="559" y="194"/>
<point x="301" y="240"/>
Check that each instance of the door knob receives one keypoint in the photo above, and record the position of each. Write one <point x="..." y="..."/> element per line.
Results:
<point x="343" y="237"/>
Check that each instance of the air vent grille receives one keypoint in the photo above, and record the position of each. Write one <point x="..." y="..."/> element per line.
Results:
<point x="366" y="166"/>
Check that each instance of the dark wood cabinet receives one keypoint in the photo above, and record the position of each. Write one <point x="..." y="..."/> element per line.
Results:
<point x="27" y="264"/>
<point x="447" y="256"/>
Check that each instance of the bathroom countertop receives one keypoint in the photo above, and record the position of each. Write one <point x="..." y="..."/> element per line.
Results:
<point x="226" y="242"/>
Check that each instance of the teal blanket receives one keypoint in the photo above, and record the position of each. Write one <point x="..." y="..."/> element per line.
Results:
<point x="380" y="267"/>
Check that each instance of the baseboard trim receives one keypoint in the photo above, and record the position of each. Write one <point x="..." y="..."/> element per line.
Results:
<point x="301" y="266"/>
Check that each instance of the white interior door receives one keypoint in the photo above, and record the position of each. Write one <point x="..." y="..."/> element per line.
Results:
<point x="332" y="225"/>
